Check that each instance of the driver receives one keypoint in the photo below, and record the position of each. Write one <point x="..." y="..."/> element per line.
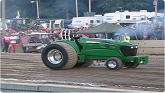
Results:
<point x="126" y="37"/>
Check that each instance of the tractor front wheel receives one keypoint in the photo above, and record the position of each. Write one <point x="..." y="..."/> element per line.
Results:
<point x="114" y="63"/>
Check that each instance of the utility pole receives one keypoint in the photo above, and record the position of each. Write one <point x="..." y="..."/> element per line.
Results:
<point x="38" y="15"/>
<point x="163" y="35"/>
<point x="121" y="9"/>
<point x="76" y="9"/>
<point x="3" y="17"/>
<point x="1" y="9"/>
<point x="89" y="5"/>
<point x="155" y="3"/>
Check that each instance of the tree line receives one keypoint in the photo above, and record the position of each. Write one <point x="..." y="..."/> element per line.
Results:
<point x="66" y="9"/>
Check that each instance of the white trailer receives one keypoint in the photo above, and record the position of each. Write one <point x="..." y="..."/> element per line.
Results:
<point x="86" y="21"/>
<point x="59" y="23"/>
<point x="56" y="24"/>
<point x="126" y="16"/>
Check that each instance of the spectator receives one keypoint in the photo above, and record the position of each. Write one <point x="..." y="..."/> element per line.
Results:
<point x="152" y="38"/>
<point x="145" y="35"/>
<point x="24" y="40"/>
<point x="13" y="39"/>
<point x="55" y="35"/>
<point x="45" y="38"/>
<point x="159" y="31"/>
<point x="137" y="33"/>
<point x="35" y="30"/>
<point x="32" y="38"/>
<point x="152" y="33"/>
<point x="91" y="25"/>
<point x="6" y="42"/>
<point x="36" y="38"/>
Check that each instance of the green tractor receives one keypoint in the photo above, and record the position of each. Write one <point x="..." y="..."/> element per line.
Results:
<point x="82" y="51"/>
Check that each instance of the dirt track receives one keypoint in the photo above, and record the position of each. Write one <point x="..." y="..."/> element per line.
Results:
<point x="28" y="67"/>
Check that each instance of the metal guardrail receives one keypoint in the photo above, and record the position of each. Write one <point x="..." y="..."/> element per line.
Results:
<point x="29" y="87"/>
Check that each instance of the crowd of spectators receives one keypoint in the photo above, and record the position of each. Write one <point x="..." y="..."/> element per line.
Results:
<point x="143" y="32"/>
<point x="147" y="31"/>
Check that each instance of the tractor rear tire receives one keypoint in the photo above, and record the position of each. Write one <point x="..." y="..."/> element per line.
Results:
<point x="59" y="56"/>
<point x="114" y="63"/>
<point x="131" y="65"/>
<point x="84" y="64"/>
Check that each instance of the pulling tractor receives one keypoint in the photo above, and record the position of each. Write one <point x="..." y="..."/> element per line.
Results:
<point x="79" y="51"/>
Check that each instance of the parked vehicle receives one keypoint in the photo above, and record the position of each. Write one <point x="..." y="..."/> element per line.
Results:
<point x="59" y="23"/>
<point x="36" y="46"/>
<point x="86" y="21"/>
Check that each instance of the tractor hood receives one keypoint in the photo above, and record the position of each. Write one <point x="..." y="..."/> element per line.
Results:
<point x="98" y="40"/>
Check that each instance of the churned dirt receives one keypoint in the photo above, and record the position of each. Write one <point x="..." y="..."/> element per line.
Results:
<point x="28" y="67"/>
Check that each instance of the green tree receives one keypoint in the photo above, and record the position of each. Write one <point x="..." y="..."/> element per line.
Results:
<point x="45" y="8"/>
<point x="130" y="5"/>
<point x="23" y="6"/>
<point x="55" y="9"/>
<point x="66" y="9"/>
<point x="63" y="8"/>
